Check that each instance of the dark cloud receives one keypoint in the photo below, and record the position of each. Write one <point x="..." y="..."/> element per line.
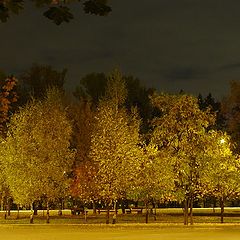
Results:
<point x="184" y="73"/>
<point x="232" y="66"/>
<point x="170" y="45"/>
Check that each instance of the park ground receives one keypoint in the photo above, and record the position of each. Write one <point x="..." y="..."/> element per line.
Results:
<point x="119" y="232"/>
<point x="168" y="226"/>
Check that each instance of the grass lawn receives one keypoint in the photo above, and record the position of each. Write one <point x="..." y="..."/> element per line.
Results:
<point x="168" y="226"/>
<point x="164" y="216"/>
<point x="118" y="232"/>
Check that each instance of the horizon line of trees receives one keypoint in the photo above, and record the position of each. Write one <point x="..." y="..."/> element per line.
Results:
<point x="117" y="140"/>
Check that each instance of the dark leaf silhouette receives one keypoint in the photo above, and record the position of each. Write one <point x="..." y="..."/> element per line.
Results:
<point x="59" y="14"/>
<point x="4" y="13"/>
<point x="97" y="7"/>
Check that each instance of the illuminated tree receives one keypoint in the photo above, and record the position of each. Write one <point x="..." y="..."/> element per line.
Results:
<point x="181" y="131"/>
<point x="58" y="10"/>
<point x="37" y="151"/>
<point x="220" y="172"/>
<point x="155" y="179"/>
<point x="3" y="186"/>
<point x="115" y="140"/>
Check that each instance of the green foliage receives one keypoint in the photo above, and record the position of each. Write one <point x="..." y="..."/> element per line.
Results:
<point x="220" y="174"/>
<point x="115" y="151"/>
<point x="181" y="124"/>
<point x="181" y="132"/>
<point x="37" y="150"/>
<point x="155" y="178"/>
<point x="115" y="140"/>
<point x="3" y="185"/>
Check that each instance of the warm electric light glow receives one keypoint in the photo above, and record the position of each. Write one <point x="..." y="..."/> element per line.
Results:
<point x="222" y="141"/>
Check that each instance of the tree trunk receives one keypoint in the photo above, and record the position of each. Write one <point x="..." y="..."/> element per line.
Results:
<point x="18" y="211"/>
<point x="222" y="209"/>
<point x="107" y="216"/>
<point x="94" y="208"/>
<point x="85" y="215"/>
<point x="108" y="213"/>
<point x="9" y="203"/>
<point x="115" y="213"/>
<point x="123" y="206"/>
<point x="186" y="211"/>
<point x="35" y="209"/>
<point x="48" y="221"/>
<point x="191" y="210"/>
<point x="61" y="208"/>
<point x="2" y="201"/>
<point x="155" y="212"/>
<point x="31" y="214"/>
<point x="147" y="213"/>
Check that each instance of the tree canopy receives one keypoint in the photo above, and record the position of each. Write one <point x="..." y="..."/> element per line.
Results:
<point x="37" y="151"/>
<point x="181" y="131"/>
<point x="219" y="176"/>
<point x="115" y="140"/>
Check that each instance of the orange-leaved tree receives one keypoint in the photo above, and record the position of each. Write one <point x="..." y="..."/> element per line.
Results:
<point x="8" y="96"/>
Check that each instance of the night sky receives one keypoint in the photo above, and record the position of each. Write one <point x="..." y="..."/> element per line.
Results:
<point x="171" y="45"/>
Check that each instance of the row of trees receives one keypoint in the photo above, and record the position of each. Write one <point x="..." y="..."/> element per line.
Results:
<point x="115" y="143"/>
<point x="177" y="160"/>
